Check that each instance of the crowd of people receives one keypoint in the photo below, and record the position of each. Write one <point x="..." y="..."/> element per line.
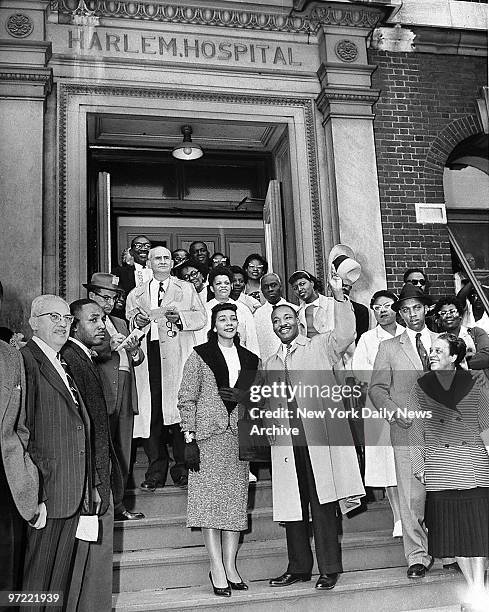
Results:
<point x="164" y="350"/>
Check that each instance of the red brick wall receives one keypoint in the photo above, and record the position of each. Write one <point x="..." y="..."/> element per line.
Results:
<point x="426" y="107"/>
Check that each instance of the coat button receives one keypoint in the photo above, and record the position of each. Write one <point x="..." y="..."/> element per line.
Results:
<point x="458" y="419"/>
<point x="79" y="427"/>
<point x="447" y="445"/>
<point x="286" y="459"/>
<point x="442" y="420"/>
<point x="82" y="452"/>
<point x="464" y="443"/>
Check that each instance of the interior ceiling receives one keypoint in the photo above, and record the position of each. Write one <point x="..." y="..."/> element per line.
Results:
<point x="164" y="132"/>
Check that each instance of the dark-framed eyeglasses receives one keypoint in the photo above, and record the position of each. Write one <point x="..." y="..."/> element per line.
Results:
<point x="418" y="281"/>
<point x="190" y="275"/>
<point x="57" y="318"/>
<point x="106" y="298"/>
<point x="141" y="246"/>
<point x="255" y="267"/>
<point x="171" y="332"/>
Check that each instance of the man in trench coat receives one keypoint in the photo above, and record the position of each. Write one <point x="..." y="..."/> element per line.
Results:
<point x="169" y="311"/>
<point x="318" y="466"/>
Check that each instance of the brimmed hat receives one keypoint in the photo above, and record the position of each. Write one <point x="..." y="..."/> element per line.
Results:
<point x="342" y="258"/>
<point x="409" y="292"/>
<point x="104" y="280"/>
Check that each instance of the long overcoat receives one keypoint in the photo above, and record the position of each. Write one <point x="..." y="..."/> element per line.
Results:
<point x="334" y="464"/>
<point x="174" y="351"/>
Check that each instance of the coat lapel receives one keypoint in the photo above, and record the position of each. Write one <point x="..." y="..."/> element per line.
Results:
<point x="411" y="354"/>
<point x="49" y="372"/>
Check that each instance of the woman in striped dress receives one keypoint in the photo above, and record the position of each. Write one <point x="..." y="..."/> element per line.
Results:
<point x="448" y="455"/>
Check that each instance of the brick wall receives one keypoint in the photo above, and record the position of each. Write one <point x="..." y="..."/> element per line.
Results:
<point x="426" y="107"/>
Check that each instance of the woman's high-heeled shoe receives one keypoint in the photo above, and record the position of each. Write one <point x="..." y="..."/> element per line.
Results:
<point x="225" y="592"/>
<point x="238" y="586"/>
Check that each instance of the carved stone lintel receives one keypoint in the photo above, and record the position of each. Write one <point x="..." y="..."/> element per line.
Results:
<point x="179" y="13"/>
<point x="482" y="108"/>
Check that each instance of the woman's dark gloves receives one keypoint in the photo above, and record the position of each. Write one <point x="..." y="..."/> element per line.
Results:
<point x="231" y="394"/>
<point x="192" y="456"/>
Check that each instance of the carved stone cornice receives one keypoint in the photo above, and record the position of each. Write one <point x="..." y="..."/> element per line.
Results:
<point x="69" y="90"/>
<point x="347" y="101"/>
<point x="24" y="82"/>
<point x="151" y="10"/>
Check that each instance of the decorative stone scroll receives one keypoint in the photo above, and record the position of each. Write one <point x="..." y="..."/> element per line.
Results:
<point x="19" y="25"/>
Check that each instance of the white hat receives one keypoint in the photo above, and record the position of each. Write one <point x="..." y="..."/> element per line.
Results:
<point x="342" y="258"/>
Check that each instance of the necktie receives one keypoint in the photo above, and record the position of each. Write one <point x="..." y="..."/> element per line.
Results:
<point x="140" y="278"/>
<point x="69" y="378"/>
<point x="423" y="355"/>
<point x="286" y="363"/>
<point x="161" y="294"/>
<point x="311" y="330"/>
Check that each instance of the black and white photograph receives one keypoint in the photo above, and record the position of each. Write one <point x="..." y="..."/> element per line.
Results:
<point x="244" y="305"/>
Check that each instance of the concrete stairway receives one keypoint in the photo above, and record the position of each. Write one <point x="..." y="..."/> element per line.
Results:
<point x="159" y="564"/>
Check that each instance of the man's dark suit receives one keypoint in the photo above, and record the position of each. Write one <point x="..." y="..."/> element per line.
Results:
<point x="362" y="319"/>
<point x="94" y="560"/>
<point x="121" y="399"/>
<point x="58" y="445"/>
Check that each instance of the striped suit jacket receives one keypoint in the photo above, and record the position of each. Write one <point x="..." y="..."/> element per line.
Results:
<point x="59" y="432"/>
<point x="446" y="444"/>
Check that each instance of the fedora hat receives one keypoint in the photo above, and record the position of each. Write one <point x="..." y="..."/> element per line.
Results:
<point x="103" y="280"/>
<point x="342" y="258"/>
<point x="409" y="292"/>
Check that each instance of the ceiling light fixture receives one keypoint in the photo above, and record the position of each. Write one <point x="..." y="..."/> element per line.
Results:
<point x="187" y="150"/>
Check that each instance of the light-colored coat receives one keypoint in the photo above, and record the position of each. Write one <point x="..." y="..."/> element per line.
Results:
<point x="396" y="368"/>
<point x="336" y="472"/>
<point x="173" y="351"/>
<point x="323" y="317"/>
<point x="22" y="474"/>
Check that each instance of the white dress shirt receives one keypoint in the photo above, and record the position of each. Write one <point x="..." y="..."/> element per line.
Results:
<point x="142" y="274"/>
<point x="154" y="290"/>
<point x="230" y="355"/>
<point x="425" y="338"/>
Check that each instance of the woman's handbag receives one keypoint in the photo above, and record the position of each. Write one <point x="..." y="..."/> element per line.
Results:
<point x="253" y="445"/>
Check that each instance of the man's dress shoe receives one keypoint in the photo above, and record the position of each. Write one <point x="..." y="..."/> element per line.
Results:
<point x="454" y="567"/>
<point x="125" y="515"/>
<point x="417" y="570"/>
<point x="326" y="582"/>
<point x="288" y="579"/>
<point x="150" y="485"/>
<point x="182" y="481"/>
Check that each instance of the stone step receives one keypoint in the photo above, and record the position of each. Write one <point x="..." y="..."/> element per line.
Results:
<point x="378" y="590"/>
<point x="179" y="567"/>
<point x="171" y="531"/>
<point x="172" y="501"/>
<point x="139" y="470"/>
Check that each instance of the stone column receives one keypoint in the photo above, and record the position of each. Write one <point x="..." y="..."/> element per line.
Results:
<point x="25" y="82"/>
<point x="345" y="102"/>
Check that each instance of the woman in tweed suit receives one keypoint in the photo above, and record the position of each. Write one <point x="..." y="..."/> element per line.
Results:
<point x="215" y="375"/>
<point x="448" y="454"/>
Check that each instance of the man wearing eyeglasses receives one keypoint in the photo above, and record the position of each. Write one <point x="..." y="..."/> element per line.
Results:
<point x="59" y="445"/>
<point x="169" y="312"/>
<point x="400" y="361"/>
<point x="134" y="275"/>
<point x="117" y="372"/>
